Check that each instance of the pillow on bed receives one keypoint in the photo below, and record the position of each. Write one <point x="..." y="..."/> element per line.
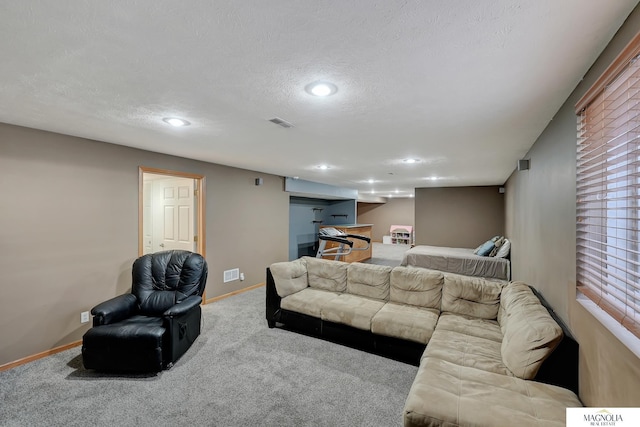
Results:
<point x="503" y="252"/>
<point x="477" y="250"/>
<point x="498" y="244"/>
<point x="490" y="247"/>
<point x="486" y="248"/>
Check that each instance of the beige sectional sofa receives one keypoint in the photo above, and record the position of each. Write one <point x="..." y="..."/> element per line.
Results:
<point x="481" y="342"/>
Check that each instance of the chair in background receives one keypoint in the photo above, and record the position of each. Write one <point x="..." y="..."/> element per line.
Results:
<point x="149" y="329"/>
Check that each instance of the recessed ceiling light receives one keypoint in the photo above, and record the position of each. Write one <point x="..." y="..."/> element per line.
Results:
<point x="434" y="178"/>
<point x="321" y="88"/>
<point x="411" y="161"/>
<point x="410" y="195"/>
<point x="397" y="191"/>
<point x="371" y="181"/>
<point x="174" y="121"/>
<point x="323" y="167"/>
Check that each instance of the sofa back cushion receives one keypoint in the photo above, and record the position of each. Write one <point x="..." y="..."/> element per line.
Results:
<point x="326" y="274"/>
<point x="529" y="332"/>
<point x="368" y="280"/>
<point x="416" y="286"/>
<point x="471" y="296"/>
<point x="289" y="276"/>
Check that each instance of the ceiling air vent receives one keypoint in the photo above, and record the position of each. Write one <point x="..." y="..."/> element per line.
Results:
<point x="280" y="122"/>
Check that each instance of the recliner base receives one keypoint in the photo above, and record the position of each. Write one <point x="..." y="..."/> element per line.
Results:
<point x="133" y="345"/>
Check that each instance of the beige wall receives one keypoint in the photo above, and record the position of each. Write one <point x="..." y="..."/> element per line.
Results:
<point x="69" y="215"/>
<point x="540" y="220"/>
<point x="384" y="215"/>
<point x="460" y="217"/>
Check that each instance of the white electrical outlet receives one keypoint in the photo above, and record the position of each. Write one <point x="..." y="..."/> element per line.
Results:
<point x="84" y="317"/>
<point x="241" y="276"/>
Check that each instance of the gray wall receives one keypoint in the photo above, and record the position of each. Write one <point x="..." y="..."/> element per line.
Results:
<point x="459" y="217"/>
<point x="69" y="215"/>
<point x="541" y="222"/>
<point x="335" y="211"/>
<point x="384" y="215"/>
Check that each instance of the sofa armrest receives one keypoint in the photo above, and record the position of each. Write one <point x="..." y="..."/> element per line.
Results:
<point x="273" y="300"/>
<point x="114" y="310"/>
<point x="183" y="307"/>
<point x="561" y="368"/>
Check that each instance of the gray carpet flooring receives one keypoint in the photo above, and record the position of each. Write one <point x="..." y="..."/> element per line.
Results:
<point x="390" y="255"/>
<point x="238" y="373"/>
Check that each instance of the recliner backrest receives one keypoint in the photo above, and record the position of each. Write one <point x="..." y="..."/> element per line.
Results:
<point x="163" y="279"/>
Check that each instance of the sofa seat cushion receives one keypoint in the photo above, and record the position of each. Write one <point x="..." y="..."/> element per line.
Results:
<point x="309" y="301"/>
<point x="352" y="310"/>
<point x="446" y="394"/>
<point x="405" y="321"/>
<point x="460" y="348"/>
<point x="481" y="328"/>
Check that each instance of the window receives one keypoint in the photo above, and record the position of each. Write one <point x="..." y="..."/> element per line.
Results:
<point x="608" y="190"/>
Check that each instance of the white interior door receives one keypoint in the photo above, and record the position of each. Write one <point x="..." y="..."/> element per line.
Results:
<point x="147" y="221"/>
<point x="173" y="214"/>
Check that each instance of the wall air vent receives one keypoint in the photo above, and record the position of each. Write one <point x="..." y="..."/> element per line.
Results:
<point x="280" y="122"/>
<point x="231" y="275"/>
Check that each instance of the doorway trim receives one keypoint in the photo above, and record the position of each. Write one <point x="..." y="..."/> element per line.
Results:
<point x="200" y="211"/>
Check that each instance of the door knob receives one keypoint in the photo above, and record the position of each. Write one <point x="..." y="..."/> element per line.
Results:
<point x="162" y="245"/>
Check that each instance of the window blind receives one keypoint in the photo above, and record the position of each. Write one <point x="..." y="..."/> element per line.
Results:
<point x="608" y="191"/>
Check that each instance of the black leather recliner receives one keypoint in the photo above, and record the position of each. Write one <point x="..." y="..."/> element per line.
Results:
<point x="150" y="328"/>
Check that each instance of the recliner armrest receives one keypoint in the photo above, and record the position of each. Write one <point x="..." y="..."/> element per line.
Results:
<point x="183" y="307"/>
<point x="114" y="310"/>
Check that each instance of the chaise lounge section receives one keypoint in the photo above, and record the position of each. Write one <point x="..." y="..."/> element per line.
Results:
<point x="489" y="352"/>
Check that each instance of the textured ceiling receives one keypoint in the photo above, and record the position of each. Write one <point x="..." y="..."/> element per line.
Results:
<point x="464" y="86"/>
